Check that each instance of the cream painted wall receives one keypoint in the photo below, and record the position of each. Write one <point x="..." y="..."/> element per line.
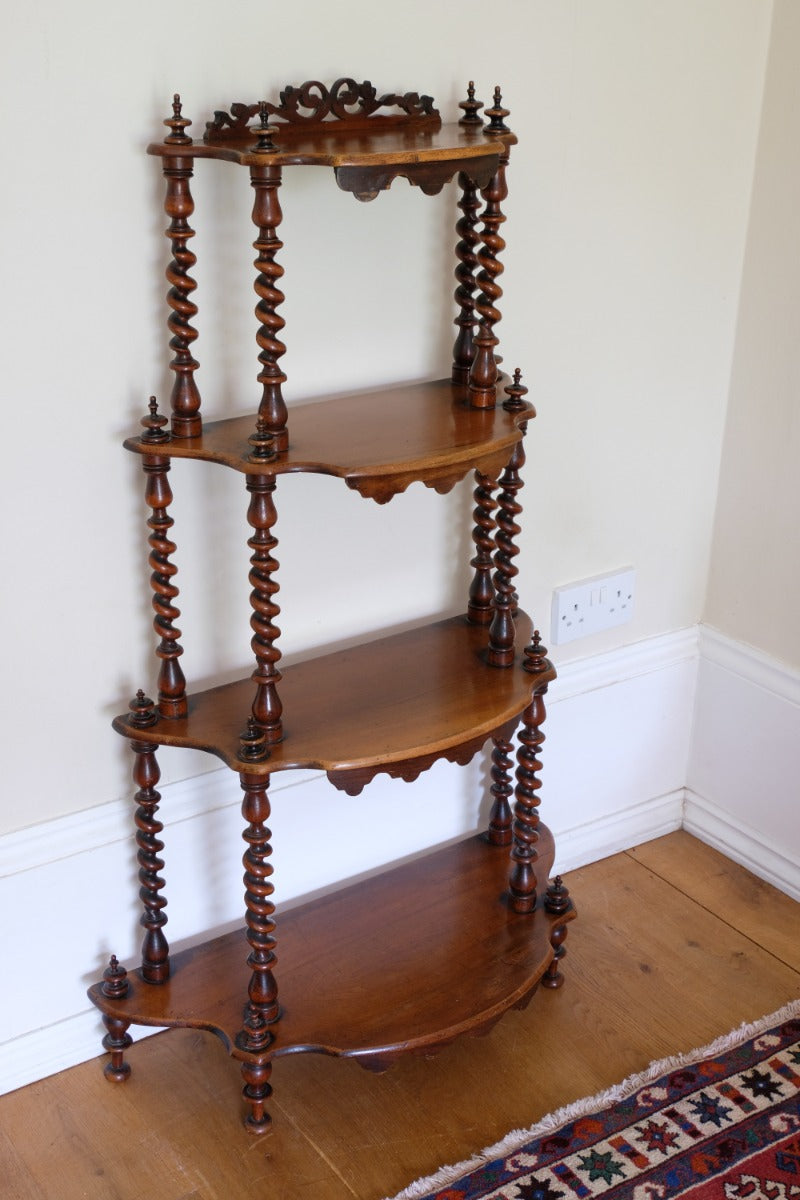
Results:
<point x="754" y="582"/>
<point x="627" y="217"/>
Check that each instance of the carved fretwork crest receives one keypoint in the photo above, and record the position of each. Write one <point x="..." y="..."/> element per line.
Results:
<point x="312" y="104"/>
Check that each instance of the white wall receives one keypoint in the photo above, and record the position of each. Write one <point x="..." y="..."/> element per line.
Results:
<point x="754" y="582"/>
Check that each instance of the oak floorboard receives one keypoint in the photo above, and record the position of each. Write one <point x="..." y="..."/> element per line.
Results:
<point x="651" y="969"/>
<point x="749" y="904"/>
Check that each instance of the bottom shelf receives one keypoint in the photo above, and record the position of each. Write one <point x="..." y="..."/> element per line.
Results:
<point x="402" y="962"/>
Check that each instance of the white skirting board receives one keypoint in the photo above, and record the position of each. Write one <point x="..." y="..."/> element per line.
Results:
<point x="743" y="783"/>
<point x="620" y="750"/>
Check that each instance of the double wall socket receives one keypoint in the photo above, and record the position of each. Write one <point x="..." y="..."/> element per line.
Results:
<point x="592" y="605"/>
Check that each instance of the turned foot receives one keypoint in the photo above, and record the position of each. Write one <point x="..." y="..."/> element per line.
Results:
<point x="116" y="1042"/>
<point x="256" y="1092"/>
<point x="556" y="901"/>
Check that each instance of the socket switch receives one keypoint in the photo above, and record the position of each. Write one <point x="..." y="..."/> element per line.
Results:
<point x="592" y="605"/>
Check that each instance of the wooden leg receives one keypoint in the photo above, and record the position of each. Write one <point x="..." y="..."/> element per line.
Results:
<point x="522" y="883"/>
<point x="556" y="901"/>
<point x="499" y="829"/>
<point x="116" y="1041"/>
<point x="256" y="1092"/>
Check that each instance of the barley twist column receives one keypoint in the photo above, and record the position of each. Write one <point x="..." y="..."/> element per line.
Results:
<point x="499" y="830"/>
<point x="261" y="516"/>
<point x="501" y="630"/>
<point x="522" y="881"/>
<point x="483" y="373"/>
<point x="261" y="1009"/>
<point x="481" y="593"/>
<point x="158" y="496"/>
<point x="467" y="231"/>
<point x="146" y="774"/>
<point x="267" y="216"/>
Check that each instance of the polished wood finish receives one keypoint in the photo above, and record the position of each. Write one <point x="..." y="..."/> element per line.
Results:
<point x="380" y="706"/>
<point x="438" y="947"/>
<point x="675" y="945"/>
<point x="379" y="442"/>
<point x="267" y="216"/>
<point x="348" y="989"/>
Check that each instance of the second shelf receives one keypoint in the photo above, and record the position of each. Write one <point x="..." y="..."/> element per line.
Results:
<point x="395" y="704"/>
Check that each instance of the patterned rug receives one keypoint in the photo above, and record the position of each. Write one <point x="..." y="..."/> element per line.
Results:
<point x="722" y="1123"/>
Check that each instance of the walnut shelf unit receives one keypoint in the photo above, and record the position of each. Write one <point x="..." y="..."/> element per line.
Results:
<point x="443" y="945"/>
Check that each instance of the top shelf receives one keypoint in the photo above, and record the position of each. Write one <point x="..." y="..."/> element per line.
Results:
<point x="352" y="129"/>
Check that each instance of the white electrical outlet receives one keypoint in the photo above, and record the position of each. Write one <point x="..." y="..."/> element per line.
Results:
<point x="592" y="605"/>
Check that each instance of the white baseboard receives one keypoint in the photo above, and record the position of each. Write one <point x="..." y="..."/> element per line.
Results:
<point x="743" y="783"/>
<point x="742" y="843"/>
<point x="616" y="761"/>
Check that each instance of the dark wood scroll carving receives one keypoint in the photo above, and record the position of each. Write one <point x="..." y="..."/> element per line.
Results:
<point x="312" y="105"/>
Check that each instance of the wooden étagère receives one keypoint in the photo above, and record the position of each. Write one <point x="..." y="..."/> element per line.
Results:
<point x="446" y="944"/>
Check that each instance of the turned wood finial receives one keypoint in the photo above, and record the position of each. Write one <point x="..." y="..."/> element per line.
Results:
<point x="497" y="115"/>
<point x="265" y="144"/>
<point x="142" y="710"/>
<point x="177" y="123"/>
<point x="115" y="980"/>
<point x="471" y="107"/>
<point x="154" y="423"/>
<point x="535" y="655"/>
<point x="263" y="442"/>
<point x="253" y="743"/>
<point x="516" y="393"/>
<point x="556" y="898"/>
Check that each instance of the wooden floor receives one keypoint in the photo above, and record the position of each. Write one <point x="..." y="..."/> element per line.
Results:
<point x="673" y="946"/>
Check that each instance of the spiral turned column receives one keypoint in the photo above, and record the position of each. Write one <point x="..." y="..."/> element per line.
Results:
<point x="483" y="373"/>
<point x="158" y="496"/>
<point x="480" y="606"/>
<point x="499" y="828"/>
<point x="501" y="630"/>
<point x="261" y="1010"/>
<point x="261" y="516"/>
<point x="179" y="206"/>
<point x="146" y="774"/>
<point x="522" y="882"/>
<point x="267" y="216"/>
<point x="466" y="253"/>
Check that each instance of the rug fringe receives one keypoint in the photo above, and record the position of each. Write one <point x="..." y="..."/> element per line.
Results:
<point x="553" y="1121"/>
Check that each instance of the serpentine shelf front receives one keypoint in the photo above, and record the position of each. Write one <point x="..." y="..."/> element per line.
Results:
<point x="378" y="442"/>
<point x="395" y="705"/>
<point x="405" y="961"/>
